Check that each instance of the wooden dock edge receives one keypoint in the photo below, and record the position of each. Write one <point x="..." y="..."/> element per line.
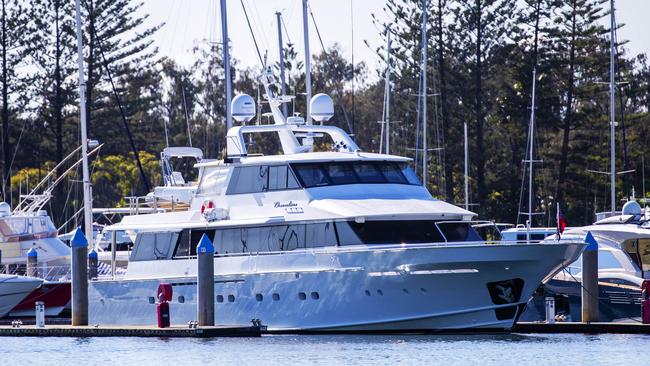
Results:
<point x="130" y="331"/>
<point x="587" y="328"/>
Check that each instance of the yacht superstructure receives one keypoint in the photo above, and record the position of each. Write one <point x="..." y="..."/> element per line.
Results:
<point x="338" y="240"/>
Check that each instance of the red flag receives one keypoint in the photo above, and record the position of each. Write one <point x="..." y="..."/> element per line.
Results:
<point x="561" y="221"/>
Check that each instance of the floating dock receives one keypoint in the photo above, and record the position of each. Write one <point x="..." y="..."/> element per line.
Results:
<point x="131" y="331"/>
<point x="588" y="328"/>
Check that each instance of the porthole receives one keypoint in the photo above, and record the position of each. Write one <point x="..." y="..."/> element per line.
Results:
<point x="231" y="298"/>
<point x="302" y="296"/>
<point x="315" y="296"/>
<point x="259" y="297"/>
<point x="181" y="299"/>
<point x="380" y="292"/>
<point x="406" y="291"/>
<point x="424" y="290"/>
<point x="152" y="300"/>
<point x="276" y="297"/>
<point x="219" y="298"/>
<point x="367" y="293"/>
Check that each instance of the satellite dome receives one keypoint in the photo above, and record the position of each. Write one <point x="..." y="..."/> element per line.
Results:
<point x="321" y="107"/>
<point x="632" y="208"/>
<point x="5" y="209"/>
<point x="243" y="108"/>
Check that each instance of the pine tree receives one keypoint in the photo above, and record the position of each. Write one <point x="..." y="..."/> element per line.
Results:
<point x="14" y="28"/>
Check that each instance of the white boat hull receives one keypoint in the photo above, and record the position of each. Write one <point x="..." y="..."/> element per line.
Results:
<point x="397" y="288"/>
<point x="13" y="289"/>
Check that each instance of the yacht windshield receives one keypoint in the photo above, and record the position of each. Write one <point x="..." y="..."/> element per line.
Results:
<point x="357" y="172"/>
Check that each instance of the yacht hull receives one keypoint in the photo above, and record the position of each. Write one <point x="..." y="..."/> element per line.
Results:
<point x="410" y="288"/>
<point x="14" y="289"/>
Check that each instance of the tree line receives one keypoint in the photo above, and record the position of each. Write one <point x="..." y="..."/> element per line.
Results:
<point x="480" y="59"/>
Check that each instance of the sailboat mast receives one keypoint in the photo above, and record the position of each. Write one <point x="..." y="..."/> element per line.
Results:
<point x="612" y="55"/>
<point x="305" y="26"/>
<point x="226" y="62"/>
<point x="424" y="93"/>
<point x="387" y="119"/>
<point x="466" y="165"/>
<point x="283" y="87"/>
<point x="531" y="142"/>
<point x="87" y="189"/>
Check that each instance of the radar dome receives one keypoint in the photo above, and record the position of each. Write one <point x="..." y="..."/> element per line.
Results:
<point x="321" y="107"/>
<point x="632" y="208"/>
<point x="243" y="108"/>
<point x="5" y="209"/>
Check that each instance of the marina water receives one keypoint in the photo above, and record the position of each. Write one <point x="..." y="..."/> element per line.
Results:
<point x="484" y="350"/>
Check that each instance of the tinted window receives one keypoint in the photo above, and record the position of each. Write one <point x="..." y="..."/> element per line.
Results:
<point x="212" y="180"/>
<point x="189" y="239"/>
<point x="261" y="178"/>
<point x="312" y="175"/>
<point x="607" y="260"/>
<point x="320" y="235"/>
<point x="341" y="173"/>
<point x="152" y="246"/>
<point x="458" y="231"/>
<point x="368" y="172"/>
<point x="409" y="174"/>
<point x="275" y="238"/>
<point x="281" y="177"/>
<point x="322" y="174"/>
<point x="392" y="173"/>
<point x="388" y="232"/>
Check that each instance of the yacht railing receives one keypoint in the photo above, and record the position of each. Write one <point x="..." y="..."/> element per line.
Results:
<point x="387" y="247"/>
<point x="152" y="204"/>
<point x="59" y="273"/>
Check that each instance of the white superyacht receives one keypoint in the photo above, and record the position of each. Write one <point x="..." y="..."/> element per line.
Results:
<point x="336" y="241"/>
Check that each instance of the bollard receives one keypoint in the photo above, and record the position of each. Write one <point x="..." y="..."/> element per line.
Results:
<point x="550" y="310"/>
<point x="205" y="281"/>
<point x="32" y="263"/>
<point x="79" y="245"/>
<point x="40" y="314"/>
<point x="93" y="265"/>
<point x="590" y="280"/>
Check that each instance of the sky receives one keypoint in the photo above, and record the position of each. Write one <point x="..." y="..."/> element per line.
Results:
<point x="191" y="21"/>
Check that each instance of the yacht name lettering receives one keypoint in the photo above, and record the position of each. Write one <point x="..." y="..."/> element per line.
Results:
<point x="287" y="204"/>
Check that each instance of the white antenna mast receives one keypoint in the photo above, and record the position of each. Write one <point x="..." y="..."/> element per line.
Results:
<point x="283" y="88"/>
<point x="305" y="27"/>
<point x="612" y="53"/>
<point x="466" y="166"/>
<point x="226" y="63"/>
<point x="387" y="92"/>
<point x="424" y="92"/>
<point x="87" y="189"/>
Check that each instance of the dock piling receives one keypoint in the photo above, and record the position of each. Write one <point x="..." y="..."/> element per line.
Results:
<point x="32" y="263"/>
<point x="79" y="245"/>
<point x="205" y="282"/>
<point x="590" y="280"/>
<point x="93" y="264"/>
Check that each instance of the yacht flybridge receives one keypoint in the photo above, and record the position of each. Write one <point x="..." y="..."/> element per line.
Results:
<point x="339" y="240"/>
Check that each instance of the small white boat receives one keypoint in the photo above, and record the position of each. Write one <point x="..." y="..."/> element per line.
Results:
<point x="13" y="289"/>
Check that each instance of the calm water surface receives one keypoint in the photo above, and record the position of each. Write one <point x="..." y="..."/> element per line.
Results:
<point x="569" y="349"/>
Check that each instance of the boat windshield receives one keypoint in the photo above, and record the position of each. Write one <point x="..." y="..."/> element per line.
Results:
<point x="356" y="172"/>
<point x="19" y="226"/>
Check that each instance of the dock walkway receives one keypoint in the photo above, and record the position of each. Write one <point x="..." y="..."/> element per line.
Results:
<point x="130" y="331"/>
<point x="588" y="328"/>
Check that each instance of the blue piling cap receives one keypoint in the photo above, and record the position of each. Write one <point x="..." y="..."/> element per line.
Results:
<point x="205" y="245"/>
<point x="32" y="253"/>
<point x="79" y="239"/>
<point x="92" y="254"/>
<point x="592" y="244"/>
